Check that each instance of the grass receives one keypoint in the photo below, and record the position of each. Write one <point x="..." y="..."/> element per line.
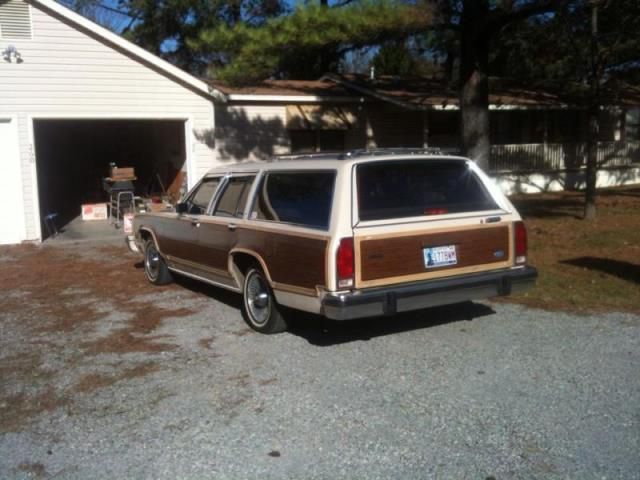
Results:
<point x="584" y="267"/>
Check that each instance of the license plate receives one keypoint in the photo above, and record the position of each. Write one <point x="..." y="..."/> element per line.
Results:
<point x="439" y="256"/>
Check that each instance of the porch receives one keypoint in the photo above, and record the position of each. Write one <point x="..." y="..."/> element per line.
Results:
<point x="554" y="157"/>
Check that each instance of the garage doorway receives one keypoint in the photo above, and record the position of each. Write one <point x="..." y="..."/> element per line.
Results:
<point x="74" y="156"/>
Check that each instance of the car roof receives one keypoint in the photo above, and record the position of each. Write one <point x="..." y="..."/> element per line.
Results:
<point x="333" y="161"/>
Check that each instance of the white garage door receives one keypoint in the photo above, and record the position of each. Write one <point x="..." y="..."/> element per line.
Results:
<point x="11" y="206"/>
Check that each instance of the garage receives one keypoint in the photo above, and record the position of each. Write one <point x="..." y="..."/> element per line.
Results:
<point x="74" y="157"/>
<point x="77" y="98"/>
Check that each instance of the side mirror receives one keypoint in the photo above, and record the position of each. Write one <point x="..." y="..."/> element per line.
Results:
<point x="182" y="208"/>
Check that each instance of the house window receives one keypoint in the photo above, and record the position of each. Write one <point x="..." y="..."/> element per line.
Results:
<point x="311" y="141"/>
<point x="15" y="20"/>
<point x="632" y="125"/>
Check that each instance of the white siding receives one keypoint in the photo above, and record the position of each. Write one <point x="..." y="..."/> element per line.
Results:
<point x="259" y="131"/>
<point x="69" y="73"/>
<point x="250" y="132"/>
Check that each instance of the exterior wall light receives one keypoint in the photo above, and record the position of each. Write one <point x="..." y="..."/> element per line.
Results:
<point x="11" y="54"/>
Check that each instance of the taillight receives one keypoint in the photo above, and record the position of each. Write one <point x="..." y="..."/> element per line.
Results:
<point x="435" y="211"/>
<point x="344" y="263"/>
<point x="520" y="243"/>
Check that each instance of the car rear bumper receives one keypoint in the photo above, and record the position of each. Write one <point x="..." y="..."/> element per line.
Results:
<point x="402" y="298"/>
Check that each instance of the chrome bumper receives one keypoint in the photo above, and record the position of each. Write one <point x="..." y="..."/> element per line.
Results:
<point x="130" y="240"/>
<point x="414" y="296"/>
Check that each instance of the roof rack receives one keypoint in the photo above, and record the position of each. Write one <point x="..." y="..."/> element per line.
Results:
<point x="342" y="155"/>
<point x="393" y="151"/>
<point x="310" y="156"/>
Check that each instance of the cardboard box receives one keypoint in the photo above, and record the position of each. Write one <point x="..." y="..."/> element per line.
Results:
<point x="124" y="173"/>
<point x="94" y="211"/>
<point x="128" y="223"/>
<point x="159" y="207"/>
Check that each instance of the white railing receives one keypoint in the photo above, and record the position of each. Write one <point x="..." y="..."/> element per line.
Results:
<point x="539" y="157"/>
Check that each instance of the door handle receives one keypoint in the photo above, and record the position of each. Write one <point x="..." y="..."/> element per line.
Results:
<point x="232" y="226"/>
<point x="195" y="223"/>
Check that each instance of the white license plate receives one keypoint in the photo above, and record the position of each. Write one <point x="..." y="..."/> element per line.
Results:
<point x="440" y="256"/>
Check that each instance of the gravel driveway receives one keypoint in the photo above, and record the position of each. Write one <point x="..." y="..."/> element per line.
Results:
<point x="105" y="376"/>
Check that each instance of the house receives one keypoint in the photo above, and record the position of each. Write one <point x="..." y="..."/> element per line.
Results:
<point x="538" y="136"/>
<point x="75" y="98"/>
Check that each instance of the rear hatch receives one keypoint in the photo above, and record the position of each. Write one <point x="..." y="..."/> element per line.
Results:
<point x="420" y="219"/>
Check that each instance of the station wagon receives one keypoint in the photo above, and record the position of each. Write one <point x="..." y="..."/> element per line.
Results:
<point x="350" y="235"/>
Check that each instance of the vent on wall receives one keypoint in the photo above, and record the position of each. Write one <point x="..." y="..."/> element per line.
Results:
<point x="15" y="19"/>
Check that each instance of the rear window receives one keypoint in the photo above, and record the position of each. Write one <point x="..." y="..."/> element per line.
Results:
<point x="301" y="198"/>
<point x="413" y="188"/>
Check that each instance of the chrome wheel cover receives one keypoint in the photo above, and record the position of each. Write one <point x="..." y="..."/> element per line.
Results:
<point x="152" y="262"/>
<point x="257" y="299"/>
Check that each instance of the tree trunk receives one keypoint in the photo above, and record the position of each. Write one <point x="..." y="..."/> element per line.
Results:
<point x="592" y="165"/>
<point x="474" y="82"/>
<point x="594" y="127"/>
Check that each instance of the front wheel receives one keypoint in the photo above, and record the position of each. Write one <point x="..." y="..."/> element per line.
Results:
<point x="155" y="267"/>
<point x="259" y="307"/>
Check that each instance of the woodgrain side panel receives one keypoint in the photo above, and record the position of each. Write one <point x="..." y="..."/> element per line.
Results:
<point x="291" y="259"/>
<point x="403" y="255"/>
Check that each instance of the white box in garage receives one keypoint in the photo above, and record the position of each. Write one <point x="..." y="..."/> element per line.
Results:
<point x="94" y="211"/>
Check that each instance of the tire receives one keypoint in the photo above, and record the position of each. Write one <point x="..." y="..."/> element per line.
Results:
<point x="155" y="268"/>
<point x="259" y="307"/>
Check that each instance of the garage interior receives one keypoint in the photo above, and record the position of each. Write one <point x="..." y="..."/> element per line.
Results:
<point x="73" y="158"/>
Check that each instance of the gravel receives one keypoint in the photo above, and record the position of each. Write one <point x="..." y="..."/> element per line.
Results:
<point x="476" y="391"/>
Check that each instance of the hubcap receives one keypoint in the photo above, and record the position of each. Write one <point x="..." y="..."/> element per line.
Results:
<point x="152" y="262"/>
<point x="257" y="297"/>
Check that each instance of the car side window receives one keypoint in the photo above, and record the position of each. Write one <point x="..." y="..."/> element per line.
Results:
<point x="299" y="198"/>
<point x="234" y="197"/>
<point x="199" y="200"/>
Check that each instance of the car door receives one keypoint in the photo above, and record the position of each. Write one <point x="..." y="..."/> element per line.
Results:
<point x="180" y="232"/>
<point x="217" y="233"/>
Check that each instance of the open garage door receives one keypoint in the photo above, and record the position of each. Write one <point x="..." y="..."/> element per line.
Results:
<point x="74" y="156"/>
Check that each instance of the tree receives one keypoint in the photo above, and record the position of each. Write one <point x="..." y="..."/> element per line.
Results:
<point x="257" y="53"/>
<point x="480" y="22"/>
<point x="394" y="58"/>
<point x="166" y="27"/>
<point x="589" y="48"/>
<point x="271" y="50"/>
<point x="107" y="16"/>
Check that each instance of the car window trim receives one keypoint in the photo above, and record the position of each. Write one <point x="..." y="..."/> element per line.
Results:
<point x="266" y="172"/>
<point x="185" y="198"/>
<point x="222" y="188"/>
<point x="356" y="221"/>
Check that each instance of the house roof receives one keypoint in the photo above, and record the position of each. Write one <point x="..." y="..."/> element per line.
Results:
<point x="421" y="93"/>
<point x="417" y="93"/>
<point x="116" y="41"/>
<point x="284" y="90"/>
<point x="413" y="93"/>
<point x="285" y="87"/>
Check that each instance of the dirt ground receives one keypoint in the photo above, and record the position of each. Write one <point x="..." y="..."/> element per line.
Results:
<point x="106" y="376"/>
<point x="60" y="296"/>
<point x="584" y="267"/>
<point x="63" y="295"/>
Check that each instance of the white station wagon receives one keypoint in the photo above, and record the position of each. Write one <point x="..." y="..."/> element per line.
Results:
<point x="351" y="235"/>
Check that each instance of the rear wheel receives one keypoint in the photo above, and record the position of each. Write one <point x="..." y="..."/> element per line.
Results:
<point x="259" y="307"/>
<point x="155" y="268"/>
